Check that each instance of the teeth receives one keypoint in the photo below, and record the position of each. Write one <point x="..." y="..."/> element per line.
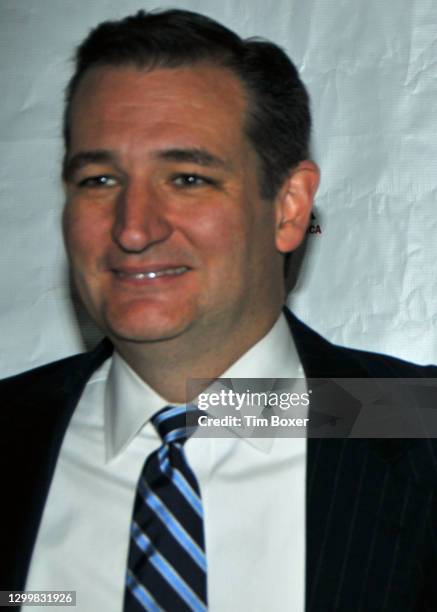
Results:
<point x="158" y="274"/>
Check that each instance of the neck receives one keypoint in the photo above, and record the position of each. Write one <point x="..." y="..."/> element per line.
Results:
<point x="168" y="365"/>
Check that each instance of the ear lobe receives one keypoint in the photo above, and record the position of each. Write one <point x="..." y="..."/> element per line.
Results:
<point x="293" y="205"/>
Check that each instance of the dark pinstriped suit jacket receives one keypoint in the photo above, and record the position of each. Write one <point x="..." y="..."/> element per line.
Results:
<point x="371" y="504"/>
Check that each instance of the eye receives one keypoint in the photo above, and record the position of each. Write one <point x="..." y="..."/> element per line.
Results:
<point x="192" y="180"/>
<point x="100" y="180"/>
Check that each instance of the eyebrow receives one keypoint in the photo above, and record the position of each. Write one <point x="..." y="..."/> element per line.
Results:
<point x="200" y="157"/>
<point x="83" y="158"/>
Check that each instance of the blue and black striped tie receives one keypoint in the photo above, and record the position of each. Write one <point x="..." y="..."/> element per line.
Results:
<point x="166" y="562"/>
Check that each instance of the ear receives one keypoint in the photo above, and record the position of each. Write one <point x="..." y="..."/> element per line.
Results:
<point x="293" y="205"/>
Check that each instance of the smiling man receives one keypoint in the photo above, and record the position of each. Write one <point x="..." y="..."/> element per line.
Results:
<point x="171" y="241"/>
<point x="188" y="180"/>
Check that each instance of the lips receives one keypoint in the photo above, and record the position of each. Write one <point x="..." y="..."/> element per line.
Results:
<point x="147" y="274"/>
<point x="151" y="274"/>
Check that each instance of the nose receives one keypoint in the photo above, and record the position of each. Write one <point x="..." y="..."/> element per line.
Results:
<point x="140" y="219"/>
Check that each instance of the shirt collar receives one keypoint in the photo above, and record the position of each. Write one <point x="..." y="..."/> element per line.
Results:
<point x="130" y="402"/>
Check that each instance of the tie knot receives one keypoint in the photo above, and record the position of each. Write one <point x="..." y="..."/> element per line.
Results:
<point x="175" y="423"/>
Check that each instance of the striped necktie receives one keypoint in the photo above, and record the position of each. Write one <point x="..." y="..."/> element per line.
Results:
<point x="166" y="562"/>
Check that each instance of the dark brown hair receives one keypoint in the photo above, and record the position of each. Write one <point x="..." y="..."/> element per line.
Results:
<point x="278" y="120"/>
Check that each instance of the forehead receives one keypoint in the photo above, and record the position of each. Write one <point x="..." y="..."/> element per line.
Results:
<point x="123" y="104"/>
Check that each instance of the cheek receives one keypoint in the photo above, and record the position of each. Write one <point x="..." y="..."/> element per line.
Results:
<point x="76" y="237"/>
<point x="225" y="254"/>
<point x="79" y="248"/>
<point x="221" y="243"/>
<point x="84" y="233"/>
<point x="218" y="226"/>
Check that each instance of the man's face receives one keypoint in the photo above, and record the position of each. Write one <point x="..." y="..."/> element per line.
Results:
<point x="165" y="228"/>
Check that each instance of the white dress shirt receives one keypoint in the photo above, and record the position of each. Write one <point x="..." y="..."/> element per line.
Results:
<point x="253" y="494"/>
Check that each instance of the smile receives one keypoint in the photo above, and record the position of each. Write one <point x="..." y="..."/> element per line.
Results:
<point x="151" y="274"/>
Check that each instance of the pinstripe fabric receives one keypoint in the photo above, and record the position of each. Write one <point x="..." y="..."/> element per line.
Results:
<point x="367" y="549"/>
<point x="166" y="561"/>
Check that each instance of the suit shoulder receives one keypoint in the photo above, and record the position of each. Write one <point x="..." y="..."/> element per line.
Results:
<point x="385" y="366"/>
<point x="45" y="371"/>
<point x="325" y="359"/>
<point x="60" y="375"/>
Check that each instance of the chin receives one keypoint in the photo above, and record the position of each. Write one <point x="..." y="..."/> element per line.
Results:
<point x="144" y="327"/>
<point x="141" y="335"/>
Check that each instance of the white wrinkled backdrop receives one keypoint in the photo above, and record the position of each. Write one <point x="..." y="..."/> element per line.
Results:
<point x="368" y="279"/>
